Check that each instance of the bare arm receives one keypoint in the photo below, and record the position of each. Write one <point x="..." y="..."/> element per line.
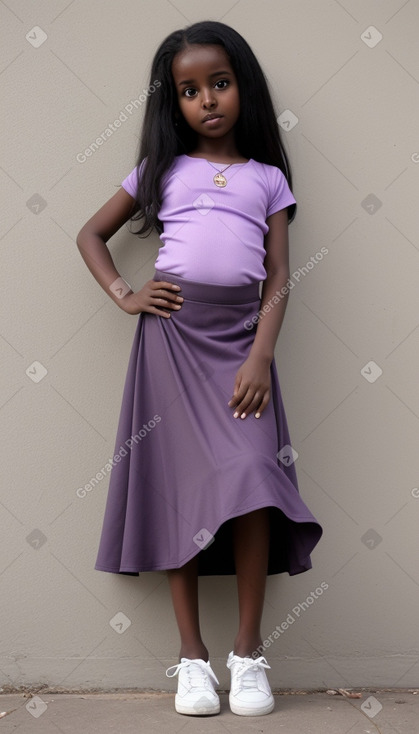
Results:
<point x="91" y="241"/>
<point x="252" y="385"/>
<point x="277" y="274"/>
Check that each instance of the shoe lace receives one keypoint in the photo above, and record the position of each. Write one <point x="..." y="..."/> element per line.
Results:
<point x="249" y="670"/>
<point x="198" y="672"/>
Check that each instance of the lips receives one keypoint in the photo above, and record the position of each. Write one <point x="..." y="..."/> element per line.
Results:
<point x="212" y="116"/>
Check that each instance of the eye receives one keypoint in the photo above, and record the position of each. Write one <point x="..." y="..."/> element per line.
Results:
<point x="189" y="89"/>
<point x="225" y="82"/>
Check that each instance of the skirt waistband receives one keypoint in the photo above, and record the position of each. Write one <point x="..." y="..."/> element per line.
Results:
<point x="193" y="290"/>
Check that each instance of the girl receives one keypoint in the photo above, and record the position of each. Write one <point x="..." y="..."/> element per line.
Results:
<point x="203" y="481"/>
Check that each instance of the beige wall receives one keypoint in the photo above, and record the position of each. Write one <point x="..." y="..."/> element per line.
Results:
<point x="356" y="433"/>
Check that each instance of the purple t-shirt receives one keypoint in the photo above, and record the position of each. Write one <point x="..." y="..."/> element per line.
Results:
<point x="211" y="234"/>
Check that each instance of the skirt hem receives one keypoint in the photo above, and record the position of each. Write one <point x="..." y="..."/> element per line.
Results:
<point x="304" y="565"/>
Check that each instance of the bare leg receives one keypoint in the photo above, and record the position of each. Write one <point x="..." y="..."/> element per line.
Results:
<point x="184" y="590"/>
<point x="251" y="551"/>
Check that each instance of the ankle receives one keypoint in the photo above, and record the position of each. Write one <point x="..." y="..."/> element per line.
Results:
<point x="193" y="652"/>
<point x="246" y="647"/>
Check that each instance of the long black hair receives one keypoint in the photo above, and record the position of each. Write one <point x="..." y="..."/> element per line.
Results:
<point x="257" y="133"/>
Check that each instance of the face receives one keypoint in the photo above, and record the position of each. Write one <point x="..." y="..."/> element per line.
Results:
<point x="206" y="86"/>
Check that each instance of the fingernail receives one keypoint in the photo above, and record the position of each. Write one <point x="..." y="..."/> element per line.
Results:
<point x="243" y="415"/>
<point x="257" y="415"/>
<point x="236" y="415"/>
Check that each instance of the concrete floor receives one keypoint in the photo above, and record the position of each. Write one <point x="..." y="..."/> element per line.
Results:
<point x="382" y="712"/>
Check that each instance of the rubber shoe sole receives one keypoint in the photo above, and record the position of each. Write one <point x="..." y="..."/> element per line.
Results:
<point x="203" y="707"/>
<point x="241" y="710"/>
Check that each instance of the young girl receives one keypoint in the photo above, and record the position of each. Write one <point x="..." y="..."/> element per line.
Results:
<point x="203" y="480"/>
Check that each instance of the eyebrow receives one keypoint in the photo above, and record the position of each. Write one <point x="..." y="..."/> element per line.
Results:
<point x="215" y="73"/>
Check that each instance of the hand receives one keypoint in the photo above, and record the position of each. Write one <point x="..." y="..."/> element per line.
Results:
<point x="251" y="388"/>
<point x="154" y="297"/>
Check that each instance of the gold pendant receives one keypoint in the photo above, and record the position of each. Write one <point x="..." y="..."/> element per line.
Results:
<point x="220" y="180"/>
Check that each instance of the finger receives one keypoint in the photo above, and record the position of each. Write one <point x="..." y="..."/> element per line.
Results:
<point x="254" y="401"/>
<point x="236" y="388"/>
<point x="168" y="289"/>
<point x="235" y="398"/>
<point x="245" y="405"/>
<point x="263" y="405"/>
<point x="159" y="312"/>
<point x="165" y="303"/>
<point x="165" y="284"/>
<point x="248" y="398"/>
<point x="163" y="292"/>
<point x="239" y="391"/>
<point x="168" y="298"/>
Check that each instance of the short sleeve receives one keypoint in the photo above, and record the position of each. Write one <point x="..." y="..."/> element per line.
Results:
<point x="130" y="182"/>
<point x="280" y="194"/>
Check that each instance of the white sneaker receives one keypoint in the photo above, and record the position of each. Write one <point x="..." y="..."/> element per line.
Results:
<point x="250" y="693"/>
<point x="196" y="694"/>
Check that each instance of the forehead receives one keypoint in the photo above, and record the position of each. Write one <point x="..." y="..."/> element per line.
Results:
<point x="198" y="60"/>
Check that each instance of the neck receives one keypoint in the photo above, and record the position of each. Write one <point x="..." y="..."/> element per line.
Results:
<point x="222" y="149"/>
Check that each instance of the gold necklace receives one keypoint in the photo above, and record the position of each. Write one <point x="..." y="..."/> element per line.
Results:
<point x="219" y="179"/>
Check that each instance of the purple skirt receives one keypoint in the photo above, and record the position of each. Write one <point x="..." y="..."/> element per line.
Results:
<point x="186" y="467"/>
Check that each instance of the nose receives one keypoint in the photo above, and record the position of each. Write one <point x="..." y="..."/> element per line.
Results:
<point x="208" y="98"/>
